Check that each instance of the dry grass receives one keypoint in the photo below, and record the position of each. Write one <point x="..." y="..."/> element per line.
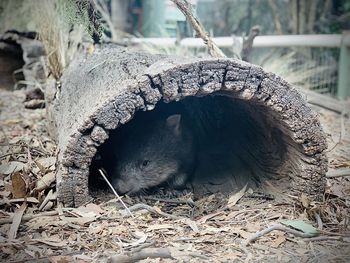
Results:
<point x="53" y="29"/>
<point x="305" y="72"/>
<point x="59" y="27"/>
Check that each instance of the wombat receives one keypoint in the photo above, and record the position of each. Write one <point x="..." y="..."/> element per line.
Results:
<point x="152" y="151"/>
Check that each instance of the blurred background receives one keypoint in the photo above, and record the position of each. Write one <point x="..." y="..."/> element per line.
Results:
<point x="306" y="42"/>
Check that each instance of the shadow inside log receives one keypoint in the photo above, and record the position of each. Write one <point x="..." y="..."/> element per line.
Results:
<point x="233" y="143"/>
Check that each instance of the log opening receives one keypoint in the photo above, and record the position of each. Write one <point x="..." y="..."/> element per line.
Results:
<point x="235" y="143"/>
<point x="265" y="126"/>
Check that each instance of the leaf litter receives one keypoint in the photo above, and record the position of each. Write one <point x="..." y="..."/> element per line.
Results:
<point x="33" y="226"/>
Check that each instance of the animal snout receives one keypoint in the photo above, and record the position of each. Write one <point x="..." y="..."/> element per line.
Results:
<point x="122" y="187"/>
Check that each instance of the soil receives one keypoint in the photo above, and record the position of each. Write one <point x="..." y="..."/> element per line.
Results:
<point x="35" y="228"/>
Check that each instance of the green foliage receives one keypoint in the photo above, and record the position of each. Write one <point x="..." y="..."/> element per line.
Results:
<point x="302" y="226"/>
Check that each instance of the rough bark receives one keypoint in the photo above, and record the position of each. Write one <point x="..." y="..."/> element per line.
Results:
<point x="101" y="91"/>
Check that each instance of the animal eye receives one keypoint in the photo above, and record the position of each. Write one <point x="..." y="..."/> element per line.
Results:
<point x="145" y="163"/>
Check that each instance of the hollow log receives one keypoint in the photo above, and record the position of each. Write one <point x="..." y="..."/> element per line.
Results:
<point x="102" y="91"/>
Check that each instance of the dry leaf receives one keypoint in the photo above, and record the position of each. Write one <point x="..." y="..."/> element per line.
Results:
<point x="61" y="259"/>
<point x="141" y="240"/>
<point x="52" y="241"/>
<point x="244" y="234"/>
<point x="232" y="201"/>
<point x="19" y="187"/>
<point x="96" y="229"/>
<point x="51" y="196"/>
<point x="204" y="219"/>
<point x="80" y="220"/>
<point x="16" y="221"/>
<point x="158" y="227"/>
<point x="278" y="241"/>
<point x="43" y="222"/>
<point x="209" y="230"/>
<point x="192" y="224"/>
<point x="11" y="167"/>
<point x="45" y="164"/>
<point x="304" y="200"/>
<point x="252" y="227"/>
<point x="337" y="189"/>
<point x="96" y="209"/>
<point x="45" y="181"/>
<point x="5" y="193"/>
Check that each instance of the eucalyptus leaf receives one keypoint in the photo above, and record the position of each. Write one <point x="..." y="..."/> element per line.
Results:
<point x="302" y="226"/>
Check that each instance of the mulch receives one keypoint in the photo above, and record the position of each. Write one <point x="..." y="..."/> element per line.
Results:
<point x="244" y="227"/>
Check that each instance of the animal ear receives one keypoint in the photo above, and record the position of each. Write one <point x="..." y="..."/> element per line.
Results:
<point x="173" y="122"/>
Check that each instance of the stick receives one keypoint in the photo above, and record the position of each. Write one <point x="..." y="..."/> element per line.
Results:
<point x="173" y="201"/>
<point x="152" y="253"/>
<point x="323" y="238"/>
<point x="248" y="42"/>
<point x="185" y="8"/>
<point x="280" y="228"/>
<point x="115" y="193"/>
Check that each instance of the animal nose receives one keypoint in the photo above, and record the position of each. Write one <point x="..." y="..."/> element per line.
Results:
<point x="122" y="187"/>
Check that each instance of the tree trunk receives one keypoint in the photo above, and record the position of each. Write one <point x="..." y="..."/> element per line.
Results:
<point x="102" y="91"/>
<point x="276" y="16"/>
<point x="312" y="16"/>
<point x="301" y="16"/>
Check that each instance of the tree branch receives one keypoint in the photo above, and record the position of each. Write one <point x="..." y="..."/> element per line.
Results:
<point x="185" y="8"/>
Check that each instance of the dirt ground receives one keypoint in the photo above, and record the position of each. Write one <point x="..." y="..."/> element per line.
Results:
<point x="35" y="228"/>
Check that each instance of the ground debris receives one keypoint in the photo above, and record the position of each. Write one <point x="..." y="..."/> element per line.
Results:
<point x="33" y="226"/>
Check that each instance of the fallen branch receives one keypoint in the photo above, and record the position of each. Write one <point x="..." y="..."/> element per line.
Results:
<point x="280" y="228"/>
<point x="153" y="253"/>
<point x="324" y="238"/>
<point x="185" y="8"/>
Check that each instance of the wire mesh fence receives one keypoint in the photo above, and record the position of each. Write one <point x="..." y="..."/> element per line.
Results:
<point x="314" y="68"/>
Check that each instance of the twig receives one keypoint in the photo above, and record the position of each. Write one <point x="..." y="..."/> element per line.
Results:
<point x="248" y="42"/>
<point x="153" y="253"/>
<point x="185" y="8"/>
<point x="280" y="228"/>
<point x="28" y="217"/>
<point x="153" y="210"/>
<point x="342" y="131"/>
<point x="143" y="246"/>
<point x="115" y="193"/>
<point x="323" y="238"/>
<point x="333" y="234"/>
<point x="318" y="220"/>
<point x="173" y="201"/>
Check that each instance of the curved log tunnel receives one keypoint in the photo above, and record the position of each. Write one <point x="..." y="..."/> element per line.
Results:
<point x="248" y="125"/>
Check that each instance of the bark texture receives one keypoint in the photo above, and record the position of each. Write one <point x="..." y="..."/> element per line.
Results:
<point x="102" y="91"/>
